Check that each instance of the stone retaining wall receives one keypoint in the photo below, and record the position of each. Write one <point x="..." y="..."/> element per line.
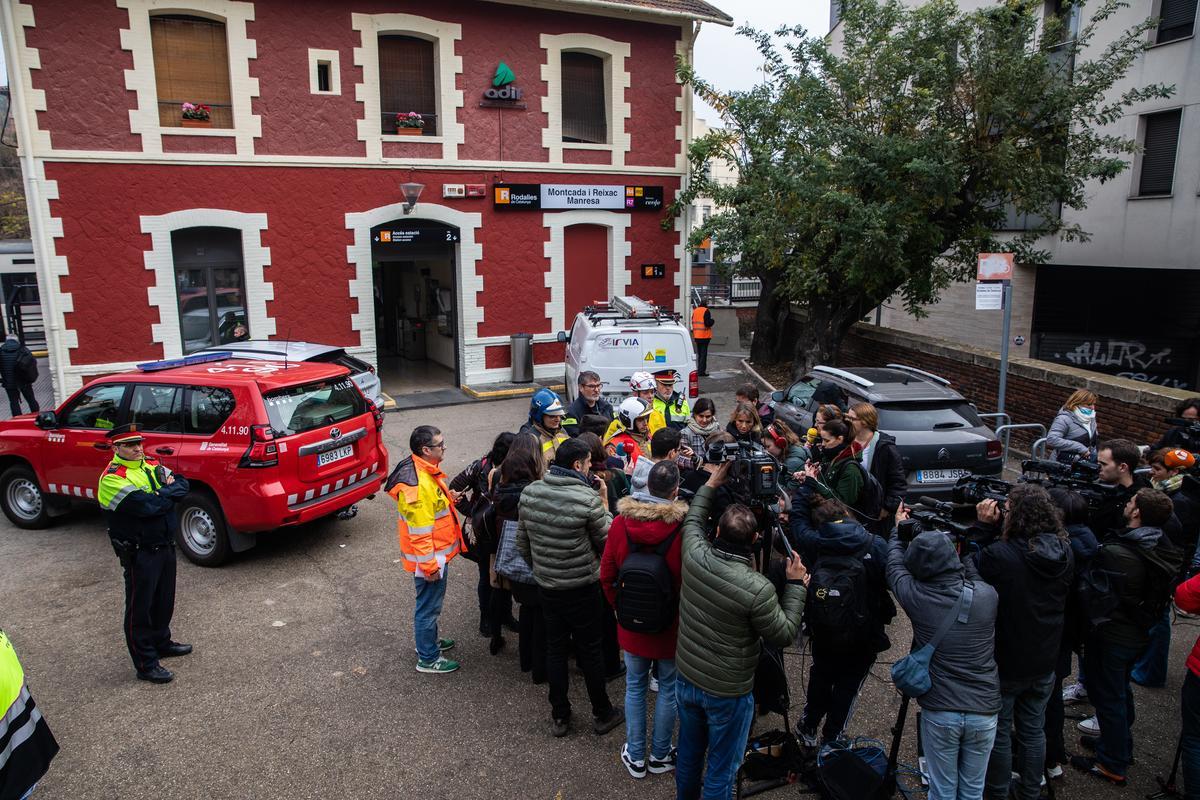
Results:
<point x="1036" y="389"/>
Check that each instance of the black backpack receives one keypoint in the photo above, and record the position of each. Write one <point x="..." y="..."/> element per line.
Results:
<point x="839" y="602"/>
<point x="870" y="502"/>
<point x="27" y="369"/>
<point x="646" y="599"/>
<point x="1162" y="565"/>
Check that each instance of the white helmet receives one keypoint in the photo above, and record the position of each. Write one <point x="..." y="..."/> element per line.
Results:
<point x="632" y="408"/>
<point x="642" y="382"/>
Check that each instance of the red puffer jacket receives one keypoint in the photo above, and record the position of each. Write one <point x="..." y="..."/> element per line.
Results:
<point x="647" y="524"/>
<point x="1187" y="597"/>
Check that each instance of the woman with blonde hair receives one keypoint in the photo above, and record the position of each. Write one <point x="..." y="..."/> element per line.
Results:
<point x="881" y="458"/>
<point x="744" y="424"/>
<point x="1073" y="433"/>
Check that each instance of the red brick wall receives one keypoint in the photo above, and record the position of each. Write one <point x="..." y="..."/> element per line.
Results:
<point x="1036" y="389"/>
<point x="306" y="232"/>
<point x="82" y="73"/>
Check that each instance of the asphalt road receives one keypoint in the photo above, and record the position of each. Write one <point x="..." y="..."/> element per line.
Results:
<point x="302" y="683"/>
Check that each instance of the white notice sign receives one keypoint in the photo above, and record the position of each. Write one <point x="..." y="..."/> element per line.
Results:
<point x="557" y="195"/>
<point x="989" y="296"/>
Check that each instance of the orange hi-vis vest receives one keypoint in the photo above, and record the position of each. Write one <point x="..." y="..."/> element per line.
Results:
<point x="699" y="329"/>
<point x="430" y="534"/>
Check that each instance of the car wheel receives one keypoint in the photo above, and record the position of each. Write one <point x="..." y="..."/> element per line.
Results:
<point x="202" y="534"/>
<point x="22" y="499"/>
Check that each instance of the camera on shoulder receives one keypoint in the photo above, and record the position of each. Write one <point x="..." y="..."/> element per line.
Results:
<point x="754" y="473"/>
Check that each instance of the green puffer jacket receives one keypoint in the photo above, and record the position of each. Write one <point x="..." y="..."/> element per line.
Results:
<point x="562" y="529"/>
<point x="725" y="608"/>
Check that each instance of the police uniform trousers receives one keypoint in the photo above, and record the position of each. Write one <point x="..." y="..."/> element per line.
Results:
<point x="149" y="603"/>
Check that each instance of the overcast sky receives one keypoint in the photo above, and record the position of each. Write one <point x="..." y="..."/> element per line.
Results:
<point x="729" y="61"/>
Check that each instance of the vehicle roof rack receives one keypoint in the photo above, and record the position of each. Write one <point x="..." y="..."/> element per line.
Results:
<point x="186" y="361"/>
<point x="921" y="372"/>
<point x="846" y="376"/>
<point x="629" y="307"/>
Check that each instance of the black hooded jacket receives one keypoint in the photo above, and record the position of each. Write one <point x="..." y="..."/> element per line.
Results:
<point x="1033" y="578"/>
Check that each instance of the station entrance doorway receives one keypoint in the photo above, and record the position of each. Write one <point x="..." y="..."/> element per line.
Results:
<point x="415" y="278"/>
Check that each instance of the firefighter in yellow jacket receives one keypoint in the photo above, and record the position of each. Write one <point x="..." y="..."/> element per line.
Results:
<point x="430" y="538"/>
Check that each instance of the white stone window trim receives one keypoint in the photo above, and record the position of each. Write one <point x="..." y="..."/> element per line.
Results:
<point x="447" y="66"/>
<point x="619" y="250"/>
<point x="143" y="120"/>
<point x="160" y="259"/>
<point x="468" y="254"/>
<point x="333" y="58"/>
<point x="616" y="81"/>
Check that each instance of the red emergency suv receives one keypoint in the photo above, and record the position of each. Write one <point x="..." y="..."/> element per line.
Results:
<point x="263" y="444"/>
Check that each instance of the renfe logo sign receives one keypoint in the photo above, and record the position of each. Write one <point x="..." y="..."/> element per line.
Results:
<point x="555" y="196"/>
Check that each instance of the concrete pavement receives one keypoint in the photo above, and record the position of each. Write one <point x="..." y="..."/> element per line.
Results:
<point x="302" y="683"/>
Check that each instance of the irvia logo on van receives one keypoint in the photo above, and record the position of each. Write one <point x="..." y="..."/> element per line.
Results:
<point x="502" y="85"/>
<point x="617" y="343"/>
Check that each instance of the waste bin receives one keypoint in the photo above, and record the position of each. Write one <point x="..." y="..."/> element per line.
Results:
<point x="522" y="357"/>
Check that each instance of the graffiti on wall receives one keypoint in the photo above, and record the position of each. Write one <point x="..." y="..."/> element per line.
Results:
<point x="1165" y="362"/>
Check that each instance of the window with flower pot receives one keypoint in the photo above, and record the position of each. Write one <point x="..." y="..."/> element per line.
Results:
<point x="191" y="71"/>
<point x="584" y="98"/>
<point x="211" y="286"/>
<point x="407" y="85"/>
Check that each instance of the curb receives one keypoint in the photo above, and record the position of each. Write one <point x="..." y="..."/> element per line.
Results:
<point x="497" y="394"/>
<point x="753" y="374"/>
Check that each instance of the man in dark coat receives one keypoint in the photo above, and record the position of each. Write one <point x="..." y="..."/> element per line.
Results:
<point x="1031" y="568"/>
<point x="16" y="365"/>
<point x="588" y="402"/>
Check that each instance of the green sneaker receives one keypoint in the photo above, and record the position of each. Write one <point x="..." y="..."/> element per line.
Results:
<point x="445" y="644"/>
<point x="438" y="666"/>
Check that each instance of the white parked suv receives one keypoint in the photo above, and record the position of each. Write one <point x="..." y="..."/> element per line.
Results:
<point x="623" y="336"/>
<point x="361" y="372"/>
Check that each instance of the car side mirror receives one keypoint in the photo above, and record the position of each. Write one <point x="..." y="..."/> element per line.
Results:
<point x="777" y="397"/>
<point x="46" y="420"/>
<point x="562" y="337"/>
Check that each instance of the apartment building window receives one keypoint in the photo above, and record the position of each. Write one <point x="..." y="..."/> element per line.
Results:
<point x="1177" y="20"/>
<point x="407" y="81"/>
<point x="191" y="65"/>
<point x="1160" y="141"/>
<point x="584" y="104"/>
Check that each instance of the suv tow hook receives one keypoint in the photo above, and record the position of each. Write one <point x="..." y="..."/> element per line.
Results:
<point x="349" y="512"/>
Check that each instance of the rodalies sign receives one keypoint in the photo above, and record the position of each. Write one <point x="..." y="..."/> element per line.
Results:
<point x="566" y="196"/>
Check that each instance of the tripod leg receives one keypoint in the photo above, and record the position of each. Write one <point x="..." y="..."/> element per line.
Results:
<point x="889" y="779"/>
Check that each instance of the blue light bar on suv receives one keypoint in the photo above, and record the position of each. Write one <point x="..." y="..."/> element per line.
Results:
<point x="186" y="361"/>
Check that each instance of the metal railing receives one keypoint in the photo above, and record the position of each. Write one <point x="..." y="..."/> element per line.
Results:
<point x="737" y="290"/>
<point x="1025" y="426"/>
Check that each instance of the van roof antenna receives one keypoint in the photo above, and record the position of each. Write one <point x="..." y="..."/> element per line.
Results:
<point x="287" y="346"/>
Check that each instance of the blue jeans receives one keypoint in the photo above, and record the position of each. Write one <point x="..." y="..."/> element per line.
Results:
<point x="1190" y="735"/>
<point x="720" y="725"/>
<point x="1151" y="668"/>
<point x="1024" y="702"/>
<point x="957" y="746"/>
<point x="637" y="681"/>
<point x="430" y="595"/>
<point x="1108" y="668"/>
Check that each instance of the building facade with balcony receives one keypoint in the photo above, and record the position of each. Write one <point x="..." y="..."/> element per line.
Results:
<point x="1126" y="302"/>
<point x="414" y="183"/>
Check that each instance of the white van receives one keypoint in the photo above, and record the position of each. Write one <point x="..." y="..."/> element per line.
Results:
<point x="626" y="335"/>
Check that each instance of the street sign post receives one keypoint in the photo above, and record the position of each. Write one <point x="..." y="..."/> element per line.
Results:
<point x="996" y="268"/>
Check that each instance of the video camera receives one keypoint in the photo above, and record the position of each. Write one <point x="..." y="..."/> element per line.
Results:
<point x="937" y="515"/>
<point x="975" y="489"/>
<point x="754" y="475"/>
<point x="1077" y="476"/>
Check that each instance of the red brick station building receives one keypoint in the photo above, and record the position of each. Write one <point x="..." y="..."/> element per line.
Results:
<point x="552" y="138"/>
